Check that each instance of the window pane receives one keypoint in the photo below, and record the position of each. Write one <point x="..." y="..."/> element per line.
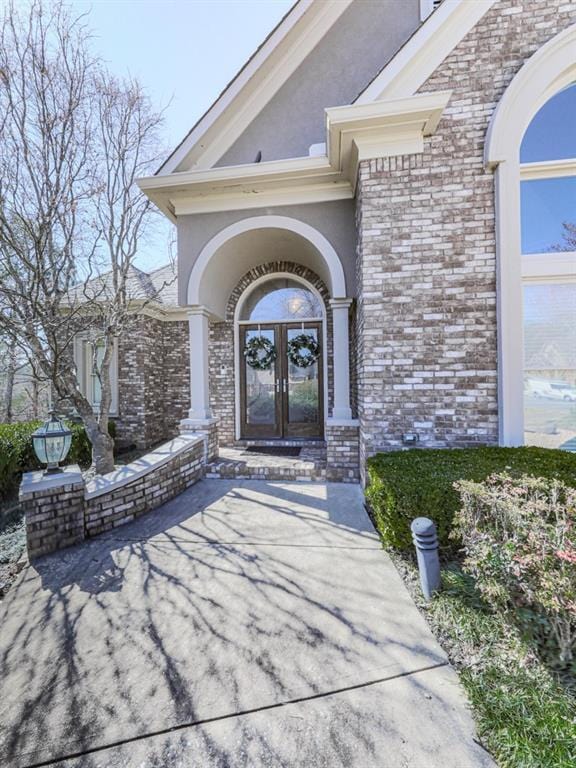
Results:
<point x="546" y="205"/>
<point x="552" y="133"/>
<point x="550" y="365"/>
<point x="281" y="299"/>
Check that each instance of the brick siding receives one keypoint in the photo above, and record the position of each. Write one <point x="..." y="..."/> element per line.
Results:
<point x="426" y="267"/>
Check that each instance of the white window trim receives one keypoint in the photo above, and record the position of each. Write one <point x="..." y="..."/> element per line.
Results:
<point x="547" y="72"/>
<point x="82" y="372"/>
<point x="548" y="169"/>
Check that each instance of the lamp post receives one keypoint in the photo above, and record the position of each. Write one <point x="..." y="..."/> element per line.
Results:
<point x="51" y="443"/>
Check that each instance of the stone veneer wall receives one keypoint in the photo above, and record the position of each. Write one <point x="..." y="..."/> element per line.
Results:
<point x="153" y="380"/>
<point x="221" y="361"/>
<point x="58" y="516"/>
<point x="426" y="267"/>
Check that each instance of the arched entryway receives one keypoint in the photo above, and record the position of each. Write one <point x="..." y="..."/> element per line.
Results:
<point x="280" y="353"/>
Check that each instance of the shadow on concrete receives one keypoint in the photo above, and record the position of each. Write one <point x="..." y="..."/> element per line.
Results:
<point x="232" y="598"/>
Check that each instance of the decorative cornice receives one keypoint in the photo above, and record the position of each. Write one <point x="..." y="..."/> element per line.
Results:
<point x="354" y="133"/>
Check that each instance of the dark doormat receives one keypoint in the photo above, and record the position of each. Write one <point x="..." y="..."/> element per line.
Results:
<point x="275" y="450"/>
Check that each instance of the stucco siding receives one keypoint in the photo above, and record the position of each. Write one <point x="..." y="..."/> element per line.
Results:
<point x="363" y="39"/>
<point x="334" y="220"/>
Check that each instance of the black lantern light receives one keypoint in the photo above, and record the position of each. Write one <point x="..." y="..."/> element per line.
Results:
<point x="51" y="443"/>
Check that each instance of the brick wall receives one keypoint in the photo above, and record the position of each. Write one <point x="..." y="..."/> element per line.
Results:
<point x="426" y="268"/>
<point x="342" y="454"/>
<point x="153" y="380"/>
<point x="122" y="505"/>
<point x="63" y="510"/>
<point x="54" y="516"/>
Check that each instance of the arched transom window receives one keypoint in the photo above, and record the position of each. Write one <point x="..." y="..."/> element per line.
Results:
<point x="548" y="223"/>
<point x="280" y="299"/>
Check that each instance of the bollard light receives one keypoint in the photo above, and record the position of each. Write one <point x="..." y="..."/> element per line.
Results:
<point x="51" y="443"/>
<point x="426" y="543"/>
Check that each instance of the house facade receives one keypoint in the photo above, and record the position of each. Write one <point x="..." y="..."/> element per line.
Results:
<point x="358" y="265"/>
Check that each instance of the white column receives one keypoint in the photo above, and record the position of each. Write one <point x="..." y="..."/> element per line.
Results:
<point x="341" y="356"/>
<point x="199" y="376"/>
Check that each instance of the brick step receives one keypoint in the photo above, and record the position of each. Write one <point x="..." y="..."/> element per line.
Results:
<point x="237" y="462"/>
<point x="294" y="443"/>
<point x="252" y="472"/>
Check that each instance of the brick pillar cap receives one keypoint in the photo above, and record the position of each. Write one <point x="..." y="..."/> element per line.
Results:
<point x="33" y="482"/>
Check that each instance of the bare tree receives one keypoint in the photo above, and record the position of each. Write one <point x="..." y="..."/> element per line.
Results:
<point x="568" y="238"/>
<point x="72" y="141"/>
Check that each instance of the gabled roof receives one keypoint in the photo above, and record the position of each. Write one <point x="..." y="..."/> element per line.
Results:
<point x="262" y="76"/>
<point x="388" y="118"/>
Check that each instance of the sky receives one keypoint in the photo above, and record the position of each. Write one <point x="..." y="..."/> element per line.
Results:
<point x="184" y="52"/>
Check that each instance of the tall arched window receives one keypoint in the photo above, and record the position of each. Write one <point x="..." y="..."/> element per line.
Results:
<point x="548" y="246"/>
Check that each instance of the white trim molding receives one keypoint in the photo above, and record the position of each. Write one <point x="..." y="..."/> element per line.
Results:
<point x="548" y="169"/>
<point x="354" y="133"/>
<point x="326" y="250"/>
<point x="409" y="69"/>
<point x="550" y="69"/>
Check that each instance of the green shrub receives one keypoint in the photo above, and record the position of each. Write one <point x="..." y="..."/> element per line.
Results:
<point x="519" y="536"/>
<point x="17" y="452"/>
<point x="408" y="484"/>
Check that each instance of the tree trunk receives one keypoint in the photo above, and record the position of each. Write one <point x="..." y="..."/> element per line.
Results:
<point x="10" y="375"/>
<point x="102" y="447"/>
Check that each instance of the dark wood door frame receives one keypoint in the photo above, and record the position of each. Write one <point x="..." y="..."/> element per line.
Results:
<point x="282" y="427"/>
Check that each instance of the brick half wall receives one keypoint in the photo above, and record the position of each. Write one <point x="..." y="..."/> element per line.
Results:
<point x="62" y="510"/>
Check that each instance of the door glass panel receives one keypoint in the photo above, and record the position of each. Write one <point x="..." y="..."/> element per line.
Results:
<point x="550" y="365"/>
<point x="261" y="387"/>
<point x="303" y="402"/>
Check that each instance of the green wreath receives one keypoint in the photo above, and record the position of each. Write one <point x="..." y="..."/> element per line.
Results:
<point x="303" y="350"/>
<point x="259" y="353"/>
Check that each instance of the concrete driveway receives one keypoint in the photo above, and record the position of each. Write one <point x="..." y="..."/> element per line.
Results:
<point x="245" y="623"/>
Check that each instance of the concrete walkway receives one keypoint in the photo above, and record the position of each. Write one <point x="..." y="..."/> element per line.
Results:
<point x="245" y="623"/>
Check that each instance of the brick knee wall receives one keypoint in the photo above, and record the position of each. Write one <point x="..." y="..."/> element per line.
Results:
<point x="54" y="516"/>
<point x="62" y="515"/>
<point x="125" y="504"/>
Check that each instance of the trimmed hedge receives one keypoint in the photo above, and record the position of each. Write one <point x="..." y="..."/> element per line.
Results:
<point x="17" y="453"/>
<point x="420" y="482"/>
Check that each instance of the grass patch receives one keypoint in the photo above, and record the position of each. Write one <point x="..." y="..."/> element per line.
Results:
<point x="526" y="717"/>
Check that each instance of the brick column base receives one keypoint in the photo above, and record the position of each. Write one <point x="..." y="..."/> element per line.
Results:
<point x="342" y="452"/>
<point x="209" y="429"/>
<point x="54" y="509"/>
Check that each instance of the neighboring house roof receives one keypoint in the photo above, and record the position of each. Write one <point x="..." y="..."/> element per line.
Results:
<point x="157" y="287"/>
